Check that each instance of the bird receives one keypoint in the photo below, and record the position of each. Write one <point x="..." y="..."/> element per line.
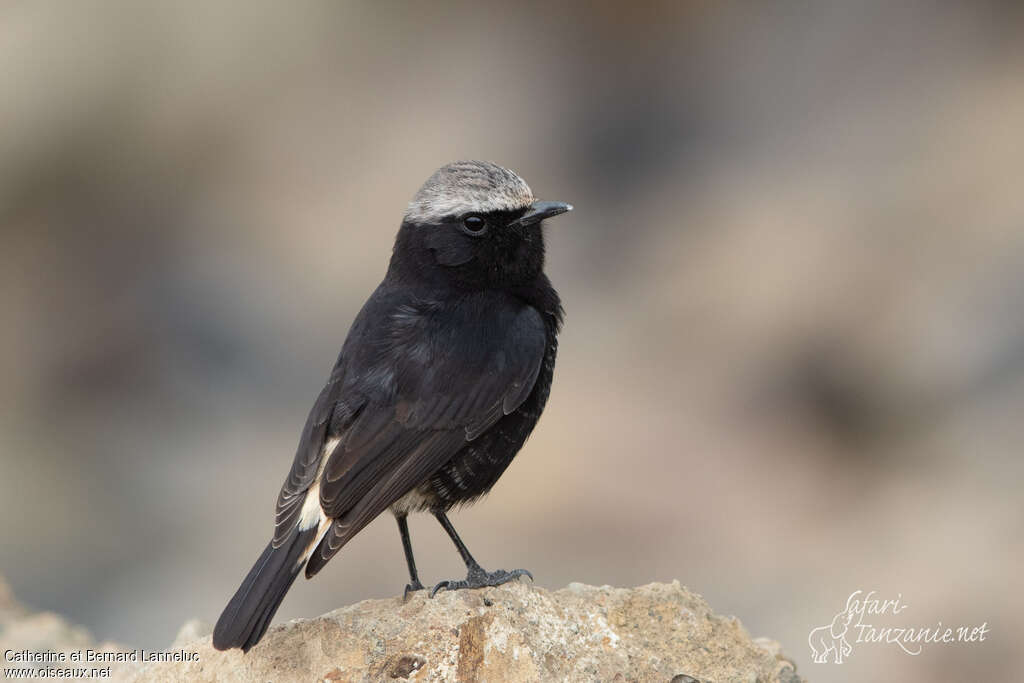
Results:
<point x="443" y="375"/>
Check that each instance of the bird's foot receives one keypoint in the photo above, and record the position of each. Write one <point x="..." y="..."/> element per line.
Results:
<point x="412" y="588"/>
<point x="478" y="578"/>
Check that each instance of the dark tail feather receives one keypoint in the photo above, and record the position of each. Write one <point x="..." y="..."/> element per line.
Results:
<point x="248" y="614"/>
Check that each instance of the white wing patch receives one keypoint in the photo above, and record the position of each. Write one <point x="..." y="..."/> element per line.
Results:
<point x="312" y="513"/>
<point x="325" y="524"/>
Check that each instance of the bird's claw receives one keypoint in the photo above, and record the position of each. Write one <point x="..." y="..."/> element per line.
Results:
<point x="412" y="588"/>
<point x="439" y="586"/>
<point x="478" y="578"/>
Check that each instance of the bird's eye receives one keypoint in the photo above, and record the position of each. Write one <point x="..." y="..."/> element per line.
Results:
<point x="474" y="224"/>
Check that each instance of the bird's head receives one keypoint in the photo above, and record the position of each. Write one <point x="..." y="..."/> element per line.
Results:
<point x="474" y="224"/>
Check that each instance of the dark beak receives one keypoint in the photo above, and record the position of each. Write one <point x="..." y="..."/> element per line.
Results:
<point x="538" y="211"/>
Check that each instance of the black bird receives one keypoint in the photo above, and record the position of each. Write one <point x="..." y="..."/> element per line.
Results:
<point x="443" y="376"/>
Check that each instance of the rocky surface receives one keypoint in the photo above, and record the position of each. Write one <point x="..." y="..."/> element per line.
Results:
<point x="22" y="629"/>
<point x="518" y="632"/>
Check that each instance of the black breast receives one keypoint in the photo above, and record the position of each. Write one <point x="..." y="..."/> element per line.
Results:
<point x="475" y="468"/>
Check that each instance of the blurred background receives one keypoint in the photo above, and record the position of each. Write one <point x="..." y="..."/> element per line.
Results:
<point x="793" y="362"/>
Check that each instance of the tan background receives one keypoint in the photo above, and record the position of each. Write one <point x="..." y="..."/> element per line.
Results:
<point x="793" y="364"/>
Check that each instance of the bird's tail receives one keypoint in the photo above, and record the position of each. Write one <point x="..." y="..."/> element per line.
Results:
<point x="248" y="614"/>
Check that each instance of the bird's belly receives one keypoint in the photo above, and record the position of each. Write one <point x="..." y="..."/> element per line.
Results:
<point x="476" y="468"/>
<point x="415" y="500"/>
<point x="473" y="470"/>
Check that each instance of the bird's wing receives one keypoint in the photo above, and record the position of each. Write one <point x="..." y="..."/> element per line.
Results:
<point x="313" y="450"/>
<point x="409" y="397"/>
<point x="335" y="408"/>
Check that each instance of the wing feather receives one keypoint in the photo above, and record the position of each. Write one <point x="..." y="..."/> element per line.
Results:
<point x="401" y="404"/>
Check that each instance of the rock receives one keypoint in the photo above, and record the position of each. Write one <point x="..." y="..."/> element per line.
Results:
<point x="517" y="632"/>
<point x="22" y="629"/>
<point x="191" y="630"/>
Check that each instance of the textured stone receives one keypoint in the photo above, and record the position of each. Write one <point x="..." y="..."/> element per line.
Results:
<point x="23" y="629"/>
<point x="517" y="632"/>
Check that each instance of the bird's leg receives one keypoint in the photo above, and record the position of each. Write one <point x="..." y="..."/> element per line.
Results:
<point x="414" y="577"/>
<point x="476" y="577"/>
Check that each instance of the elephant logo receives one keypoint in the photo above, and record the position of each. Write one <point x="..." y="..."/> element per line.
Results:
<point x="831" y="639"/>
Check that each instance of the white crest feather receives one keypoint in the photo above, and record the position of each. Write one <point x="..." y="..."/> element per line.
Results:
<point x="468" y="187"/>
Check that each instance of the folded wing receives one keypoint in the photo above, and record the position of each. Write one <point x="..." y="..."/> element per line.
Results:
<point x="423" y="385"/>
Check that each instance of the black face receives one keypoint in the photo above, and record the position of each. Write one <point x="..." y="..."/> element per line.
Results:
<point x="475" y="250"/>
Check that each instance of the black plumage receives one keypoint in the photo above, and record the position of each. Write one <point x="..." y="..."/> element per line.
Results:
<point x="443" y="376"/>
